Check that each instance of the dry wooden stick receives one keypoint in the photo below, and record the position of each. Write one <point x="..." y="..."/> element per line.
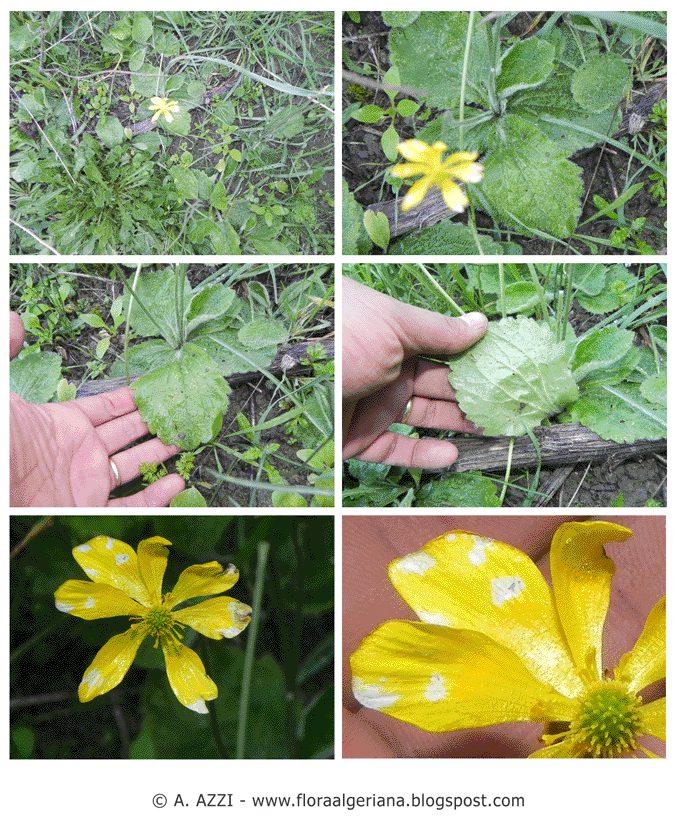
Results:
<point x="559" y="445"/>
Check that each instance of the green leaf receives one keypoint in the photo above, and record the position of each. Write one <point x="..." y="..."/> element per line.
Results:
<point x="400" y="18"/>
<point x="619" y="413"/>
<point x="355" y="238"/>
<point x="447" y="238"/>
<point x="389" y="142"/>
<point x="23" y="740"/>
<point x="430" y="57"/>
<point x="369" y="114"/>
<point x="407" y="107"/>
<point x="209" y="303"/>
<point x="157" y="291"/>
<point x="190" y="498"/>
<point x="35" y="376"/>
<point x="619" y="286"/>
<point x="604" y="356"/>
<point x="515" y="377"/>
<point x="120" y="30"/>
<point x="600" y="82"/>
<point x="137" y="60"/>
<point x="219" y="198"/>
<point x="110" y="131"/>
<point x="522" y="296"/>
<point x="378" y="228"/>
<point x="655" y="389"/>
<point x="142" y="28"/>
<point x="526" y="64"/>
<point x="528" y="182"/>
<point x="262" y="332"/>
<point x="471" y="490"/>
<point x="225" y="240"/>
<point x="180" y="400"/>
<point x="553" y="110"/>
<point x="285" y="123"/>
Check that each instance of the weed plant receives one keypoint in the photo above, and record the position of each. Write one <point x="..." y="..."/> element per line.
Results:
<point x="275" y="443"/>
<point x="247" y="171"/>
<point x="576" y="303"/>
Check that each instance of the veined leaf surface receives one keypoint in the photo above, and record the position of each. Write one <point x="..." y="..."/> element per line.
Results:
<point x="181" y="400"/>
<point x="513" y="378"/>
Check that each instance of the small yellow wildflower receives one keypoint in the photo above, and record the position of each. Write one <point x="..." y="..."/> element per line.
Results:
<point x="426" y="160"/>
<point x="496" y="645"/>
<point x="128" y="583"/>
<point x="163" y="106"/>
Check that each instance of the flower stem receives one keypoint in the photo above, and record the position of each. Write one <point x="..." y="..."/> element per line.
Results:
<point x="250" y="650"/>
<point x="213" y="719"/>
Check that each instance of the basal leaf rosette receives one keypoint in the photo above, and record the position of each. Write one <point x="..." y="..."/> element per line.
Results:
<point x="513" y="378"/>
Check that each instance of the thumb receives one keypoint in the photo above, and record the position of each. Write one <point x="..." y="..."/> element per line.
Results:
<point x="424" y="332"/>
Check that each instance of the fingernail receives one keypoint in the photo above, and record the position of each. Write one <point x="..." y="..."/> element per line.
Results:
<point x="475" y="320"/>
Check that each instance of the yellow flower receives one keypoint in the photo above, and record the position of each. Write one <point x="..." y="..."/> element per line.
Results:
<point x="125" y="583"/>
<point x="426" y="160"/>
<point x="162" y="105"/>
<point x="495" y="645"/>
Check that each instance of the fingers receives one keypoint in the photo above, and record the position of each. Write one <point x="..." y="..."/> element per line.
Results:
<point x="127" y="462"/>
<point x="424" y="332"/>
<point x="16" y="334"/>
<point x="104" y="407"/>
<point x="157" y="495"/>
<point x="394" y="449"/>
<point x="438" y="414"/>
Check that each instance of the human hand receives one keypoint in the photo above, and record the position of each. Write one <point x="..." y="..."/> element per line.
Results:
<point x="60" y="453"/>
<point x="370" y="543"/>
<point x="383" y="375"/>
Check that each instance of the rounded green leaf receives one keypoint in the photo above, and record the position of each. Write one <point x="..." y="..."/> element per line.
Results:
<point x="262" y="332"/>
<point x="142" y="28"/>
<point x="513" y="378"/>
<point x="180" y="400"/>
<point x="527" y="64"/>
<point x="369" y="114"/>
<point x="600" y="83"/>
<point x="190" y="498"/>
<point x="528" y="181"/>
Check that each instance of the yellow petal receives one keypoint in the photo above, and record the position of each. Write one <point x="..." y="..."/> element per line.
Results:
<point x="581" y="578"/>
<point x="158" y="101"/>
<point x="110" y="561"/>
<point x="152" y="554"/>
<point x="203" y="580"/>
<point x="467" y="581"/>
<point x="441" y="679"/>
<point x="653" y="719"/>
<point x="454" y="197"/>
<point x="168" y="115"/>
<point x="645" y="663"/>
<point x="222" y="617"/>
<point x="89" y="600"/>
<point x="411" y="169"/>
<point x="155" y="116"/>
<point x="187" y="677"/>
<point x="417" y="151"/>
<point x="416" y="193"/>
<point x="110" y="664"/>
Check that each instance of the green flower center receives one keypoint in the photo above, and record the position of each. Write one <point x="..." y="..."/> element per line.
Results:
<point x="608" y="720"/>
<point x="159" y="623"/>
